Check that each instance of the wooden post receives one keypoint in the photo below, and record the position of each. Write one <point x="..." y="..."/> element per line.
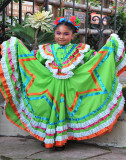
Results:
<point x="54" y="11"/>
<point x="77" y="5"/>
<point x="20" y="11"/>
<point x="105" y="5"/>
<point x="82" y="37"/>
<point x="125" y="6"/>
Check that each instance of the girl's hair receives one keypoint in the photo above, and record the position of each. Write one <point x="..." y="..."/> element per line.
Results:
<point x="69" y="25"/>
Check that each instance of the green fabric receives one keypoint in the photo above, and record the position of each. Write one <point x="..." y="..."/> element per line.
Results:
<point x="79" y="106"/>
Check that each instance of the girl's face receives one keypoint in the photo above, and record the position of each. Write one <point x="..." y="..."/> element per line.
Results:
<point x="63" y="35"/>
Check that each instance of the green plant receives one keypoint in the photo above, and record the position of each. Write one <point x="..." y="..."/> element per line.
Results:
<point x="95" y="3"/>
<point x="120" y="28"/>
<point x="5" y="158"/>
<point x="27" y="35"/>
<point x="2" y="2"/>
<point x="120" y="23"/>
<point x="34" y="30"/>
<point x="16" y="1"/>
<point x="39" y="21"/>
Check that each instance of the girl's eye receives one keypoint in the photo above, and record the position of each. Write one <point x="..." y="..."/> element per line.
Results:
<point x="66" y="34"/>
<point x="58" y="33"/>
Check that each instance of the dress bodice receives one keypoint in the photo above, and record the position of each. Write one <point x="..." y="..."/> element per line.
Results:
<point x="61" y="60"/>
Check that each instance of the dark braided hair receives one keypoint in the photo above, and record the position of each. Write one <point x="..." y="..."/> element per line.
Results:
<point x="69" y="25"/>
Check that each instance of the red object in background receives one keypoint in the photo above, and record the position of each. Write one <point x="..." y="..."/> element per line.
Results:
<point x="96" y="19"/>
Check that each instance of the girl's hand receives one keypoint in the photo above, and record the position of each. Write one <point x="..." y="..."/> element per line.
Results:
<point x="108" y="39"/>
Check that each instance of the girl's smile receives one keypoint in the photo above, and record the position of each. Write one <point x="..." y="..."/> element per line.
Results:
<point x="63" y="35"/>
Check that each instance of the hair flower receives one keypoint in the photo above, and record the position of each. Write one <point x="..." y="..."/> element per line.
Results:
<point x="59" y="20"/>
<point x="62" y="20"/>
<point x="75" y="21"/>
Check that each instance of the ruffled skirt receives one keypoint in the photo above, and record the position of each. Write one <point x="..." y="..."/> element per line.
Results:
<point x="56" y="110"/>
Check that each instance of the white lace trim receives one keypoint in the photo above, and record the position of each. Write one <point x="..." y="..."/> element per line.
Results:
<point x="20" y="106"/>
<point x="96" y="118"/>
<point x="69" y="74"/>
<point x="79" y="125"/>
<point x="14" y="60"/>
<point x="64" y="70"/>
<point x="5" y="69"/>
<point x="121" y="65"/>
<point x="92" y="131"/>
<point x="120" y="47"/>
<point x="4" y="105"/>
<point x="72" y="66"/>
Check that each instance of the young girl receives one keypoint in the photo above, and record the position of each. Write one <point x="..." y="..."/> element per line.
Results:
<point x="62" y="91"/>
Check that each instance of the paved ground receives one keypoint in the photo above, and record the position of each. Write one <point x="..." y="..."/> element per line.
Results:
<point x="122" y="78"/>
<point x="19" y="148"/>
<point x="123" y="74"/>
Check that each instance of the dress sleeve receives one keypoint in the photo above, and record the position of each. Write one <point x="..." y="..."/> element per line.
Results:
<point x="88" y="55"/>
<point x="117" y="46"/>
<point x="39" y="57"/>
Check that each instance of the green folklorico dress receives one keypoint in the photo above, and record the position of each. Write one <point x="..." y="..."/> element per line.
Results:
<point x="60" y="93"/>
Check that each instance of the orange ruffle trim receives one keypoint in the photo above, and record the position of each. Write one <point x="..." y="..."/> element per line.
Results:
<point x="121" y="71"/>
<point x="99" y="133"/>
